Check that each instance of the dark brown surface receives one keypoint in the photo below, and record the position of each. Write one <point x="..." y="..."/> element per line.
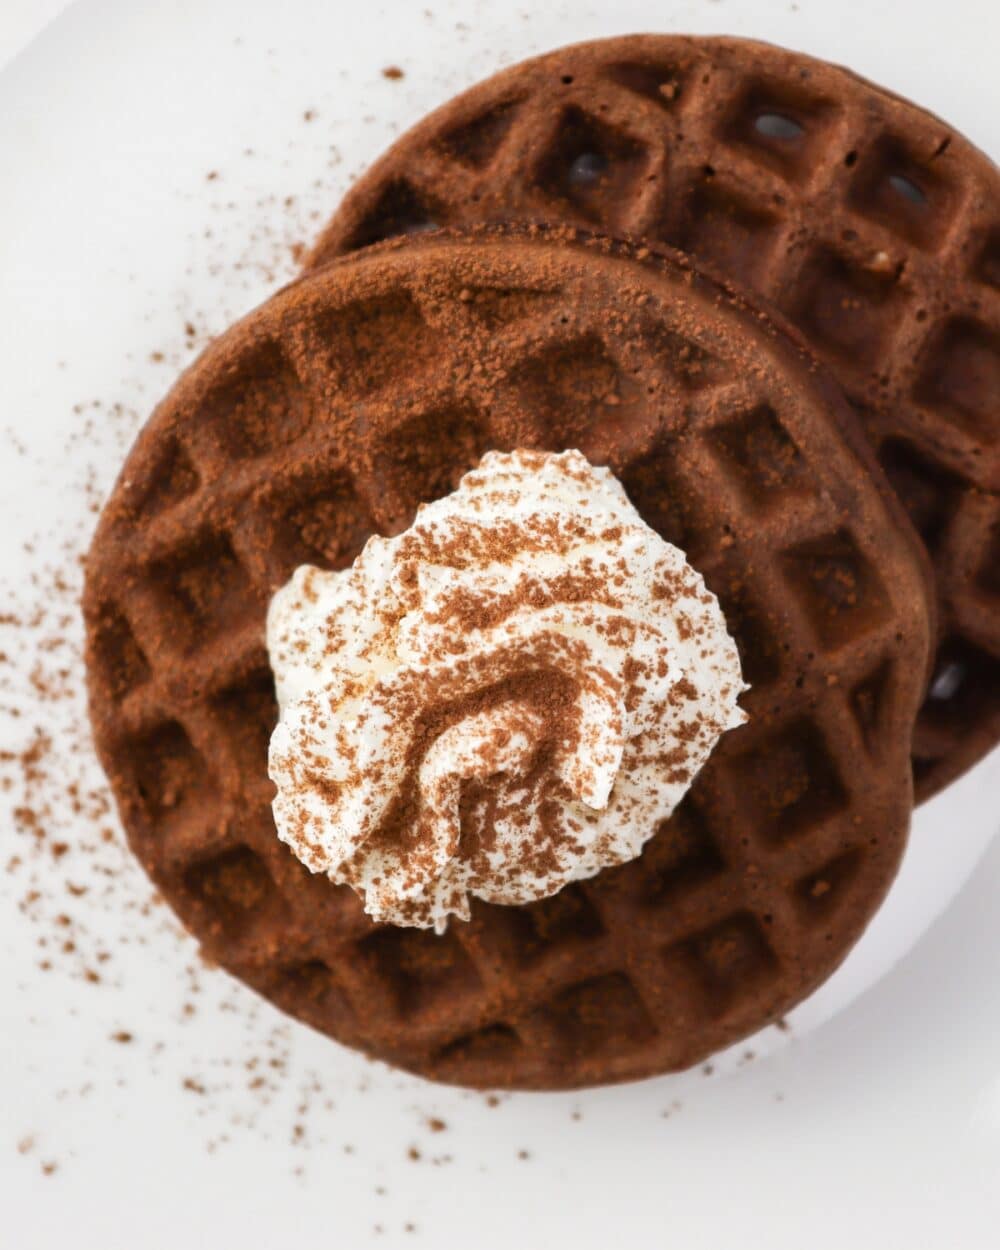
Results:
<point x="868" y="222"/>
<point x="371" y="385"/>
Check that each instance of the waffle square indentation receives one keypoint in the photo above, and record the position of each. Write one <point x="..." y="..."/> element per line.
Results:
<point x="258" y="404"/>
<point x="660" y="82"/>
<point x="400" y="209"/>
<point x="248" y="713"/>
<point x="729" y="962"/>
<point x="788" y="783"/>
<point x="665" y="502"/>
<point x="960" y="375"/>
<point x="490" y="1047"/>
<point x="819" y="894"/>
<point x="237" y="890"/>
<point x="205" y="590"/>
<point x="477" y="141"/>
<point x="419" y="970"/>
<point x="425" y="457"/>
<point x="172" y="479"/>
<point x="839" y="589"/>
<point x="893" y="186"/>
<point x="169" y="773"/>
<point x="929" y="492"/>
<point x="725" y="229"/>
<point x="761" y="455"/>
<point x="600" y="1015"/>
<point x="319" y="519"/>
<point x="583" y="398"/>
<point x="310" y="990"/>
<point x="780" y="126"/>
<point x="117" y="655"/>
<point x="592" y="166"/>
<point x="684" y="361"/>
<point x="374" y="343"/>
<point x="747" y="621"/>
<point x="680" y="857"/>
<point x="849" y="310"/>
<point x="531" y="932"/>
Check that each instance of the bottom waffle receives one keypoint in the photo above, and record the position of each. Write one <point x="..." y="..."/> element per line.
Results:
<point x="873" y="226"/>
<point x="330" y="413"/>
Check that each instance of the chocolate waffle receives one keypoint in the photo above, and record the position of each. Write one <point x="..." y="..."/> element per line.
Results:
<point x="868" y="222"/>
<point x="370" y="386"/>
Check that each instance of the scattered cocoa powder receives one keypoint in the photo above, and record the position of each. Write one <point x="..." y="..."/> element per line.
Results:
<point x="83" y="903"/>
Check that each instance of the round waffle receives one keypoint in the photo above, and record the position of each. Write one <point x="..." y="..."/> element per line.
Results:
<point x="370" y="386"/>
<point x="868" y="222"/>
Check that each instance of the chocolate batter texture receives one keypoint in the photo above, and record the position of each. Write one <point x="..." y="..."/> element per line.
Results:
<point x="335" y="409"/>
<point x="869" y="223"/>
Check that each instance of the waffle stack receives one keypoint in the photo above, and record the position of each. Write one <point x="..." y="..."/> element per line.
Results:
<point x="375" y="380"/>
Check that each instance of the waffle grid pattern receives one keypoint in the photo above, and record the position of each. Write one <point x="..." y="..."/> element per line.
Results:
<point x="870" y="225"/>
<point x="745" y="899"/>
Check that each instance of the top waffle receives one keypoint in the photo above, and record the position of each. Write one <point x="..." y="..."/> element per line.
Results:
<point x="336" y="408"/>
<point x="869" y="223"/>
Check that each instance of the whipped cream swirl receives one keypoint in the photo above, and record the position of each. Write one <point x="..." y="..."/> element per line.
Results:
<point x="511" y="695"/>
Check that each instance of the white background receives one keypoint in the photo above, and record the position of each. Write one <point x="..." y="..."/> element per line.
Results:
<point x="879" y="1128"/>
<point x="22" y="20"/>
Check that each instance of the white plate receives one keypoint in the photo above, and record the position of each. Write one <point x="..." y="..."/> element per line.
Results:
<point x="874" y="1122"/>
